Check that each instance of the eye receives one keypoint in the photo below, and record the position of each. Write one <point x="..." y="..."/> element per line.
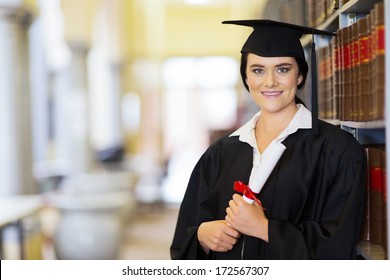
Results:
<point x="258" y="70"/>
<point x="283" y="70"/>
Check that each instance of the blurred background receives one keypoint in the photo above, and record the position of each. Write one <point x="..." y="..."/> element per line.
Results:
<point x="105" y="107"/>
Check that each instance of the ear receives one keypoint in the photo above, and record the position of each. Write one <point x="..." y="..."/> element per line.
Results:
<point x="300" y="79"/>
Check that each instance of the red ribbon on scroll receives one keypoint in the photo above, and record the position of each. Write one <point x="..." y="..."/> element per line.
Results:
<point x="246" y="191"/>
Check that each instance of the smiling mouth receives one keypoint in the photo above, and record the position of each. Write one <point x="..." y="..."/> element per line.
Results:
<point x="271" y="93"/>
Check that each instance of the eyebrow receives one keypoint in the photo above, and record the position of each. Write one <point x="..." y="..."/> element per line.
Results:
<point x="277" y="65"/>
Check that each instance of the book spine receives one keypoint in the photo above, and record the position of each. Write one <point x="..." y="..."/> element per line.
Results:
<point x="375" y="195"/>
<point x="320" y="70"/>
<point x="329" y="81"/>
<point x="339" y="73"/>
<point x="364" y="70"/>
<point x="346" y="73"/>
<point x="374" y="77"/>
<point x="335" y="77"/>
<point x="384" y="204"/>
<point x="365" y="229"/>
<point x="355" y="64"/>
<point x="309" y="13"/>
<point x="378" y="64"/>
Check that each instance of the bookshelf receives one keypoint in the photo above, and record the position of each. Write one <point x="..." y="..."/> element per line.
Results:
<point x="387" y="115"/>
<point x="335" y="15"/>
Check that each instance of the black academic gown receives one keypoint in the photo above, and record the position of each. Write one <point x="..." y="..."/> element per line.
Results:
<point x="314" y="198"/>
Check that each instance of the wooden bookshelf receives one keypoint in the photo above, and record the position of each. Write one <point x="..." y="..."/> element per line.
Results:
<point x="332" y="121"/>
<point x="370" y="132"/>
<point x="367" y="132"/>
<point x="332" y="23"/>
<point x="365" y="125"/>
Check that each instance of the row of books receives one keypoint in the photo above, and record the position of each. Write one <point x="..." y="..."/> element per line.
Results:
<point x="375" y="222"/>
<point x="318" y="11"/>
<point x="351" y="69"/>
<point x="309" y="12"/>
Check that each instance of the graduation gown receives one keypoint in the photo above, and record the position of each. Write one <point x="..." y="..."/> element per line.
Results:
<point x="314" y="197"/>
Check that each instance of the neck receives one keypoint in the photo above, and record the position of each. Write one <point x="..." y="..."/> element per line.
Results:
<point x="270" y="125"/>
<point x="276" y="121"/>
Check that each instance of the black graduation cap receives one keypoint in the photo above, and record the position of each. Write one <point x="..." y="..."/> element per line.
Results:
<point x="273" y="38"/>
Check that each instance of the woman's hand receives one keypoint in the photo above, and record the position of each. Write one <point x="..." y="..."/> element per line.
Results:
<point x="249" y="219"/>
<point x="217" y="236"/>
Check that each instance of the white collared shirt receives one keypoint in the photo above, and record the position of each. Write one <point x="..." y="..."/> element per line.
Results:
<point x="301" y="120"/>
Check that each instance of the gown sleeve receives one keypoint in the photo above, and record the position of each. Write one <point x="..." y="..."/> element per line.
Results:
<point x="193" y="210"/>
<point x="335" y="234"/>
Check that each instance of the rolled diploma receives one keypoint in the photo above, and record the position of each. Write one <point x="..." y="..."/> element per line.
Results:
<point x="261" y="172"/>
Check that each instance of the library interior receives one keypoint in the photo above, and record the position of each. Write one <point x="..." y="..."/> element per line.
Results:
<point x="107" y="105"/>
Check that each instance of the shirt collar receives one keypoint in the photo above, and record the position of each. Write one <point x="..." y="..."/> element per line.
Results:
<point x="301" y="120"/>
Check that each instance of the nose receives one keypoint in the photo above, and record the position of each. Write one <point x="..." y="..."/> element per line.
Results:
<point x="270" y="80"/>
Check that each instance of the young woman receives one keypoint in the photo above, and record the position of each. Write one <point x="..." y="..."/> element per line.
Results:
<point x="311" y="206"/>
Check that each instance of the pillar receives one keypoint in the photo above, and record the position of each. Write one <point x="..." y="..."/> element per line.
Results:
<point x="16" y="164"/>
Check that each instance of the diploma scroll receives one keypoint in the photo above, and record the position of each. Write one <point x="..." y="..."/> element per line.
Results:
<point x="261" y="172"/>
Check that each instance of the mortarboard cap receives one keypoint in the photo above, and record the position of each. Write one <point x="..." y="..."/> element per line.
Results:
<point x="272" y="38"/>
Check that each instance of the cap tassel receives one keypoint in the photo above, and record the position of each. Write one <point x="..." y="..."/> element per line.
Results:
<point x="314" y="95"/>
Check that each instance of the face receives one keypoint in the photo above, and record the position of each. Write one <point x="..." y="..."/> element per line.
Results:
<point x="273" y="82"/>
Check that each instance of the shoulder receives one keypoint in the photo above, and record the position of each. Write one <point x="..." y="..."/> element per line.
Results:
<point x="227" y="142"/>
<point x="221" y="153"/>
<point x="334" y="133"/>
<point x="338" y="139"/>
<point x="331" y="141"/>
<point x="226" y="147"/>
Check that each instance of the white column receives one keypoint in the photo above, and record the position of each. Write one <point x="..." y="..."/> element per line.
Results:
<point x="105" y="102"/>
<point x="76" y="118"/>
<point x="16" y="175"/>
<point x="106" y="62"/>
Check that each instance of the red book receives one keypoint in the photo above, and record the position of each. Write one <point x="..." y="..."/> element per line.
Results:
<point x="375" y="195"/>
<point x="365" y="230"/>
<point x="355" y="64"/>
<point x="384" y="204"/>
<point x="364" y="70"/>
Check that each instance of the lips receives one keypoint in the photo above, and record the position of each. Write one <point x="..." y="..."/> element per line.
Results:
<point x="272" y="93"/>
